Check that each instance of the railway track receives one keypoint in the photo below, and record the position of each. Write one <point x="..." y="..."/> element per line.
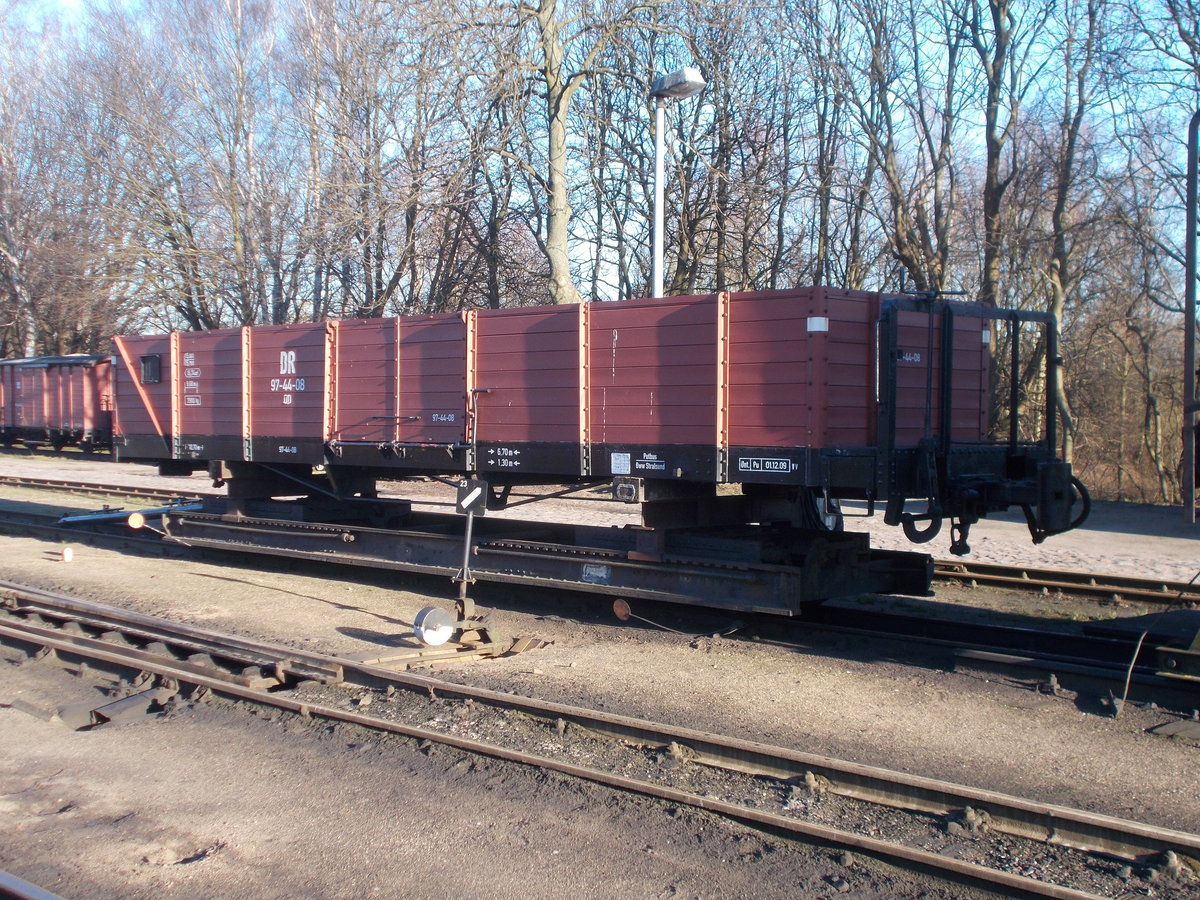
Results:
<point x="1106" y="587"/>
<point x="1091" y="664"/>
<point x="1157" y="673"/>
<point x="1087" y="584"/>
<point x="784" y="790"/>
<point x="48" y="452"/>
<point x="93" y="489"/>
<point x="1114" y="666"/>
<point x="48" y="527"/>
<point x="1163" y="675"/>
<point x="1103" y="665"/>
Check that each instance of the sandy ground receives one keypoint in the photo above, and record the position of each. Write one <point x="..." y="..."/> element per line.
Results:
<point x="1133" y="539"/>
<point x="212" y="802"/>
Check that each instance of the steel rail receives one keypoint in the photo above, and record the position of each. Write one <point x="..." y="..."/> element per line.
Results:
<point x="1040" y="821"/>
<point x="1103" y="653"/>
<point x="14" y="888"/>
<point x="254" y="662"/>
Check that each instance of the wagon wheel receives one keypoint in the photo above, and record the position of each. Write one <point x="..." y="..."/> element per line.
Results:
<point x="821" y="515"/>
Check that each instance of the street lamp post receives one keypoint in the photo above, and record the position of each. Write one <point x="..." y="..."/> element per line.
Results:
<point x="1189" y="325"/>
<point x="679" y="84"/>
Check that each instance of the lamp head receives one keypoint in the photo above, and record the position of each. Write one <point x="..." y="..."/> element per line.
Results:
<point x="678" y="84"/>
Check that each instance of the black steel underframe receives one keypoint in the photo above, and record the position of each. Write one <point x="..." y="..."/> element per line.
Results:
<point x="746" y="568"/>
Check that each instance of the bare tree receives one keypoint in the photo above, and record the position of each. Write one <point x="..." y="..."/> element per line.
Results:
<point x="1080" y="47"/>
<point x="18" y="76"/>
<point x="569" y="37"/>
<point x="1005" y="47"/>
<point x="904" y="84"/>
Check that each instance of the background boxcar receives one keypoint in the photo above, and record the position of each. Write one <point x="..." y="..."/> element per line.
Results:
<point x="57" y="400"/>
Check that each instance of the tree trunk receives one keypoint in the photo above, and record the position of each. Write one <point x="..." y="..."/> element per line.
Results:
<point x="558" y="99"/>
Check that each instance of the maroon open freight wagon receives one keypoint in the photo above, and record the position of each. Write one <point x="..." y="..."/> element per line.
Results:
<point x="747" y="387"/>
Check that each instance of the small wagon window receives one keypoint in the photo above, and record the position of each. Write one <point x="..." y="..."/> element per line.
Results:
<point x="151" y="369"/>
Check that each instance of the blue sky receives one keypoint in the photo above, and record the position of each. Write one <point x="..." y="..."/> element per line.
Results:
<point x="37" y="11"/>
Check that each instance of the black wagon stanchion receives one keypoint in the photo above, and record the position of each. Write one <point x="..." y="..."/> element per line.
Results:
<point x="1189" y="326"/>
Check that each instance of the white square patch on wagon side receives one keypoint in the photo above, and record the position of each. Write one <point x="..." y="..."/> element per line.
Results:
<point x="620" y="463"/>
